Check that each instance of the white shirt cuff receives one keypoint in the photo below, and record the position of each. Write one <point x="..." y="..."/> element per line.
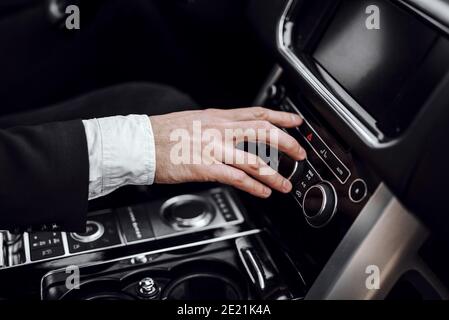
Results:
<point x="121" y="152"/>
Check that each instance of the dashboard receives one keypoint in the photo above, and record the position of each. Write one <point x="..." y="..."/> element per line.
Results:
<point x="371" y="81"/>
<point x="382" y="91"/>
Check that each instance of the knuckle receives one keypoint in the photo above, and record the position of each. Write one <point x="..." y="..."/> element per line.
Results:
<point x="254" y="166"/>
<point x="260" y="113"/>
<point x="263" y="124"/>
<point x="278" y="180"/>
<point x="238" y="177"/>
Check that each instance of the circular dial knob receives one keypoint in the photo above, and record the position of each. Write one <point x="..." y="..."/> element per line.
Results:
<point x="319" y="204"/>
<point x="94" y="231"/>
<point x="188" y="211"/>
<point x="290" y="169"/>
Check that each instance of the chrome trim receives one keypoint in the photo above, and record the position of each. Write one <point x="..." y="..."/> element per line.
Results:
<point x="319" y="137"/>
<point x="95" y="236"/>
<point x="434" y="11"/>
<point x="65" y="242"/>
<point x="2" y="252"/>
<point x="177" y="223"/>
<point x="27" y="247"/>
<point x="174" y="248"/>
<point x="333" y="211"/>
<point x="244" y="247"/>
<point x="260" y="277"/>
<point x="384" y="234"/>
<point x="364" y="194"/>
<point x="293" y="171"/>
<point x="346" y="115"/>
<point x="323" y="204"/>
<point x="69" y="254"/>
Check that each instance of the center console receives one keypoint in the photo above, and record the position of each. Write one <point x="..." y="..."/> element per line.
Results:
<point x="231" y="268"/>
<point x="190" y="246"/>
<point x="109" y="229"/>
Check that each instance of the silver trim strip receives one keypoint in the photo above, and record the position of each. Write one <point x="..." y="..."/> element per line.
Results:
<point x="293" y="171"/>
<point x="2" y="253"/>
<point x="384" y="235"/>
<point x="27" y="247"/>
<point x="347" y="116"/>
<point x="434" y="11"/>
<point x="323" y="204"/>
<point x="260" y="277"/>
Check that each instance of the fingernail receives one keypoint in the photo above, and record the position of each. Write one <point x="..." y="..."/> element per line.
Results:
<point x="286" y="186"/>
<point x="296" y="118"/>
<point x="266" y="192"/>
<point x="302" y="153"/>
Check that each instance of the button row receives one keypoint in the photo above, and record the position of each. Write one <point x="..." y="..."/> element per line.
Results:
<point x="223" y="205"/>
<point x="45" y="245"/>
<point x="340" y="171"/>
<point x="311" y="178"/>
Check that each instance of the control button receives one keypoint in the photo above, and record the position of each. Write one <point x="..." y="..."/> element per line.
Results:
<point x="327" y="155"/>
<point x="307" y="179"/>
<point x="358" y="191"/>
<point x="45" y="253"/>
<point x="187" y="211"/>
<point x="94" y="231"/>
<point x="135" y="223"/>
<point x="337" y="167"/>
<point x="319" y="204"/>
<point x="306" y="131"/>
<point x="45" y="240"/>
<point x="315" y="201"/>
<point x="108" y="228"/>
<point x="298" y="194"/>
<point x="224" y="206"/>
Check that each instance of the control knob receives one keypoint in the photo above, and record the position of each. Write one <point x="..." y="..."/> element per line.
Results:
<point x="290" y="169"/>
<point x="147" y="288"/>
<point x="319" y="204"/>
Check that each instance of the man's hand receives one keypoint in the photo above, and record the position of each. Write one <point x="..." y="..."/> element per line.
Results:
<point x="222" y="164"/>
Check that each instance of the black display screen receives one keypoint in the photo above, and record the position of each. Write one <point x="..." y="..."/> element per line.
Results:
<point x="385" y="70"/>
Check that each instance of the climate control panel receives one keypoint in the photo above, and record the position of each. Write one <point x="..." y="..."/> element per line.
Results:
<point x="331" y="181"/>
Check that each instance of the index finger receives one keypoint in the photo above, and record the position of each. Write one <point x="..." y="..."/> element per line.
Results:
<point x="278" y="118"/>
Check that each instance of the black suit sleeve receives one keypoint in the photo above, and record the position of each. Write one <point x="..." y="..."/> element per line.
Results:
<point x="44" y="176"/>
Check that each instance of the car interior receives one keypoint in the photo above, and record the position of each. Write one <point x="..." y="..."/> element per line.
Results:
<point x="366" y="219"/>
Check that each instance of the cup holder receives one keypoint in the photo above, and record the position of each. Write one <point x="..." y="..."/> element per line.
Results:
<point x="99" y="290"/>
<point x="191" y="280"/>
<point x="206" y="280"/>
<point x="203" y="286"/>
